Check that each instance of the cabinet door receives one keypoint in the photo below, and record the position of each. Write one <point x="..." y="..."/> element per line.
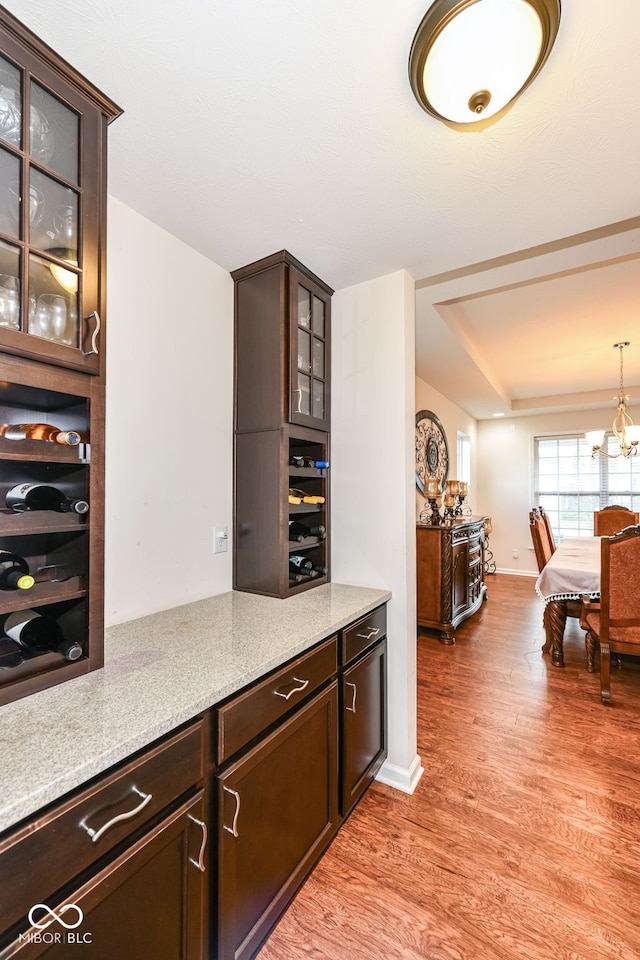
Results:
<point x="310" y="320"/>
<point x="149" y="902"/>
<point x="459" y="579"/>
<point x="364" y="727"/>
<point x="277" y="813"/>
<point x="51" y="208"/>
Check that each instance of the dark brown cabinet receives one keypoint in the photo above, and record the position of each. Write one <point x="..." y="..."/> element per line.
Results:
<point x="123" y="863"/>
<point x="363" y="699"/>
<point x="278" y="799"/>
<point x="450" y="570"/>
<point x="52" y="312"/>
<point x="52" y="205"/>
<point x="282" y="417"/>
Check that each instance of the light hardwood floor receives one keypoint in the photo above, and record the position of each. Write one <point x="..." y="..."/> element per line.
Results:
<point x="522" y="840"/>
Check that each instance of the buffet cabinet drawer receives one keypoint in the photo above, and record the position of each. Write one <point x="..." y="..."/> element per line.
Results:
<point x="362" y="634"/>
<point x="252" y="711"/>
<point x="48" y="851"/>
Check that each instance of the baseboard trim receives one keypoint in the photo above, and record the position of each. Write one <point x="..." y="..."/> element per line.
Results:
<point x="401" y="778"/>
<point x="513" y="573"/>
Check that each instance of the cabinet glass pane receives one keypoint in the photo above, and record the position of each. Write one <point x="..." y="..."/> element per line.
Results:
<point x="10" y="103"/>
<point x="318" y="316"/>
<point x="54" y="134"/>
<point x="303" y="394"/>
<point x="318" y="358"/>
<point x="9" y="287"/>
<point x="54" y="223"/>
<point x="318" y="399"/>
<point x="304" y="351"/>
<point x="53" y="302"/>
<point x="304" y="308"/>
<point x="9" y="194"/>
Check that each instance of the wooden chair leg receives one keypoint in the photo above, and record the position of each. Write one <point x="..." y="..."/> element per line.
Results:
<point x="592" y="645"/>
<point x="605" y="674"/>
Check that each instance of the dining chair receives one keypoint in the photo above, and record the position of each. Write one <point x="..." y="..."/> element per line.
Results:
<point x="613" y="624"/>
<point x="612" y="520"/>
<point x="547" y="522"/>
<point x="543" y="543"/>
<point x="544" y="547"/>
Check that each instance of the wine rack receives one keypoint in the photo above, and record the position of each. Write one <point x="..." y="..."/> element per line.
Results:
<point x="313" y="481"/>
<point x="282" y="411"/>
<point x="63" y="550"/>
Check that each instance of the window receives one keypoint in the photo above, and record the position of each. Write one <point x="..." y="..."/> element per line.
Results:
<point x="571" y="486"/>
<point x="464" y="458"/>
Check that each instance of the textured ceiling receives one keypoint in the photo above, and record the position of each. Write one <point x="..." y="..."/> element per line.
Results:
<point x="253" y="126"/>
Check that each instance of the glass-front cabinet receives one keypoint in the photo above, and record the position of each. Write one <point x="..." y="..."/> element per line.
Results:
<point x="51" y="211"/>
<point x="309" y="356"/>
<point x="53" y="126"/>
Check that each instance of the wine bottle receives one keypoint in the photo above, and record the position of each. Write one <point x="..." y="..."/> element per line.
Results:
<point x="317" y="530"/>
<point x="300" y="564"/>
<point x="297" y="531"/>
<point x="10" y="655"/>
<point x="301" y="496"/>
<point x="14" y="572"/>
<point x="37" y="633"/>
<point x="39" y="431"/>
<point x="296" y="461"/>
<point x="40" y="496"/>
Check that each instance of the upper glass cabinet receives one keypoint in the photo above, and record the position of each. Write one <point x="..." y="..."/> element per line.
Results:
<point x="309" y="374"/>
<point x="52" y="204"/>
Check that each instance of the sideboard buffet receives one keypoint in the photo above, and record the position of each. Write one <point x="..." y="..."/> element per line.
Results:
<point x="203" y="772"/>
<point x="450" y="573"/>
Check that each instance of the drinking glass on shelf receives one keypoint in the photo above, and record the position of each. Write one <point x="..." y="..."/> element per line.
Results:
<point x="51" y="317"/>
<point x="9" y="301"/>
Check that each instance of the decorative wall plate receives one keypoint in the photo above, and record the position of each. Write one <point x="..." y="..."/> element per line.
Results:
<point x="432" y="452"/>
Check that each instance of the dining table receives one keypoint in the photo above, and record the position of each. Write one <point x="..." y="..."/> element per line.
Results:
<point x="572" y="571"/>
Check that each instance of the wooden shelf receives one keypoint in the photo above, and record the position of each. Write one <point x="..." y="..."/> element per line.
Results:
<point x="43" y="450"/>
<point x="52" y="591"/>
<point x="40" y="522"/>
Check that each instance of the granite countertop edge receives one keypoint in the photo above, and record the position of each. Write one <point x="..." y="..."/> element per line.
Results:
<point x="161" y="671"/>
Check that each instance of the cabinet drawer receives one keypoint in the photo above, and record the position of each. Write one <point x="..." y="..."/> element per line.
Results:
<point x="256" y="708"/>
<point x="362" y="634"/>
<point x="49" y="851"/>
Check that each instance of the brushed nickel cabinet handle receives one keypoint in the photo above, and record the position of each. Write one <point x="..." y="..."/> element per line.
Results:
<point x="233" y="829"/>
<point x="285" y="696"/>
<point x="199" y="863"/>
<point x="96" y="834"/>
<point x="352" y="708"/>
<point x="372" y="633"/>
<point x="94" y="335"/>
<point x="299" y="392"/>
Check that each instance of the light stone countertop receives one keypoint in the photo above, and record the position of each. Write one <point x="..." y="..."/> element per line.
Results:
<point x="160" y="671"/>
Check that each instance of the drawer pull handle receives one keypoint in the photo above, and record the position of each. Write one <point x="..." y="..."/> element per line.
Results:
<point x="199" y="863"/>
<point x="233" y="829"/>
<point x="352" y="708"/>
<point x="96" y="834"/>
<point x="94" y="335"/>
<point x="303" y="686"/>
<point x="368" y="636"/>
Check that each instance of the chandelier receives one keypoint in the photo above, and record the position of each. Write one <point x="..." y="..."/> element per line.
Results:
<point x="627" y="435"/>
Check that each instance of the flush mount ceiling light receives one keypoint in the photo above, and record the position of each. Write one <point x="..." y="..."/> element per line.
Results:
<point x="470" y="58"/>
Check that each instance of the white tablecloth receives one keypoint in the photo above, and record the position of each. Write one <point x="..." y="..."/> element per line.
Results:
<point x="573" y="570"/>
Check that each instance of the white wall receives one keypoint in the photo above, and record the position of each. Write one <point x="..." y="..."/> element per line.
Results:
<point x="453" y="419"/>
<point x="505" y="477"/>
<point x="169" y="442"/>
<point x="372" y="489"/>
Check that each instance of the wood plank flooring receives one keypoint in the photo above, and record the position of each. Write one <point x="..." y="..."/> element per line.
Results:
<point x="522" y="840"/>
